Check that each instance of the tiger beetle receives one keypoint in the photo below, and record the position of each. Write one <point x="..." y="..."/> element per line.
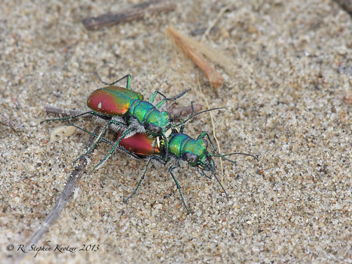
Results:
<point x="180" y="147"/>
<point x="124" y="107"/>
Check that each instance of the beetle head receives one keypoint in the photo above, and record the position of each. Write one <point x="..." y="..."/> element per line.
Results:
<point x="200" y="157"/>
<point x="207" y="163"/>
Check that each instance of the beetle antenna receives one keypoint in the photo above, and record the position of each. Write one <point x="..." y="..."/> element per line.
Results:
<point x="221" y="186"/>
<point x="208" y="110"/>
<point x="192" y="115"/>
<point x="204" y="174"/>
<point x="235" y="153"/>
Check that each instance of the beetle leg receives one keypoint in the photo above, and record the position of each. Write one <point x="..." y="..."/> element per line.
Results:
<point x="98" y="139"/>
<point x="112" y="150"/>
<point x="178" y="185"/>
<point x="192" y="115"/>
<point x="70" y="117"/>
<point x="205" y="134"/>
<point x="140" y="181"/>
<point x="108" y="142"/>
<point x="162" y="102"/>
<point x="92" y="134"/>
<point x="182" y="128"/>
<point x="188" y="118"/>
<point x="151" y="100"/>
<point x="110" y="84"/>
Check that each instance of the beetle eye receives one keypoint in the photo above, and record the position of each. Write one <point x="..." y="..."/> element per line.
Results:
<point x="191" y="158"/>
<point x="154" y="129"/>
<point x="205" y="142"/>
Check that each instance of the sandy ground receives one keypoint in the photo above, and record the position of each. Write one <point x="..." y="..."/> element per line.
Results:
<point x="284" y="102"/>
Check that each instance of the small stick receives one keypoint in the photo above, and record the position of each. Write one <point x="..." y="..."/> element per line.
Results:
<point x="213" y="55"/>
<point x="72" y="182"/>
<point x="59" y="206"/>
<point x="133" y="13"/>
<point x="201" y="31"/>
<point x="7" y="122"/>
<point x="215" y="79"/>
<point x="64" y="112"/>
<point x="175" y="113"/>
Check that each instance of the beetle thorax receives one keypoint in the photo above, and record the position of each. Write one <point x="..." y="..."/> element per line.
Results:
<point x="157" y="123"/>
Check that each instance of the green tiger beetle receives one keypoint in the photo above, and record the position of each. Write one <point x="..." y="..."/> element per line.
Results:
<point x="180" y="147"/>
<point x="124" y="107"/>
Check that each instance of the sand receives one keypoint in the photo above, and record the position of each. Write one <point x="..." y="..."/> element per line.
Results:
<point x="287" y="101"/>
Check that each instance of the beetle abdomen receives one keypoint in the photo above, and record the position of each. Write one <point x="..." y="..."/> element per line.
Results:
<point x="113" y="100"/>
<point x="140" y="144"/>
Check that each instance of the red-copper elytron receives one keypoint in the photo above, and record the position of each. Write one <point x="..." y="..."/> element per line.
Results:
<point x="112" y="100"/>
<point x="140" y="144"/>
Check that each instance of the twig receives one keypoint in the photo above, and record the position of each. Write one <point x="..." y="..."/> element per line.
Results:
<point x="200" y="31"/>
<point x="215" y="79"/>
<point x="214" y="55"/>
<point x="59" y="206"/>
<point x="175" y="113"/>
<point x="64" y="112"/>
<point x="72" y="182"/>
<point x="7" y="122"/>
<point x="133" y="13"/>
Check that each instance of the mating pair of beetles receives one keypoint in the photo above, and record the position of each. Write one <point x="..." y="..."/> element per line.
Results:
<point x="146" y="131"/>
